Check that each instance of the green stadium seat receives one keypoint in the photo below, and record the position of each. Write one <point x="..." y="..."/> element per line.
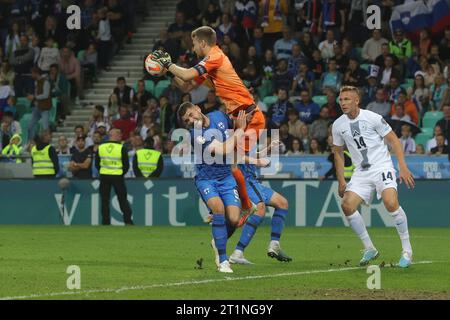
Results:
<point x="365" y="66"/>
<point x="24" y="122"/>
<point x="80" y="55"/>
<point x="270" y="100"/>
<point x="431" y="117"/>
<point x="422" y="138"/>
<point x="265" y="89"/>
<point x="247" y="83"/>
<point x="24" y="102"/>
<point x="427" y="131"/>
<point x="52" y="114"/>
<point x="149" y="86"/>
<point x="410" y="82"/>
<point x="160" y="86"/>
<point x="405" y="86"/>
<point x="320" y="100"/>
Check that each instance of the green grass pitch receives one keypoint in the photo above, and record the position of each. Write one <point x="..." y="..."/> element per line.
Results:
<point x="161" y="263"/>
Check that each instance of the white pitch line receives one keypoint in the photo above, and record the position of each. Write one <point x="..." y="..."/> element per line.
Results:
<point x="186" y="283"/>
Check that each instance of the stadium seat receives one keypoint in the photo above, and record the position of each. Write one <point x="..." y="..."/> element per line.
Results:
<point x="80" y="55"/>
<point x="428" y="131"/>
<point x="270" y="100"/>
<point x="422" y="138"/>
<point x="24" y="102"/>
<point x="160" y="86"/>
<point x="365" y="66"/>
<point x="265" y="89"/>
<point x="320" y="100"/>
<point x="430" y="118"/>
<point x="149" y="86"/>
<point x="24" y="122"/>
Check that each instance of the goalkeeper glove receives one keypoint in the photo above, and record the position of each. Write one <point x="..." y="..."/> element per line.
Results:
<point x="163" y="58"/>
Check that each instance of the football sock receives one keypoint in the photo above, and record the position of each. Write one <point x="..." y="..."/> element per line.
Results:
<point x="242" y="189"/>
<point x="219" y="232"/>
<point x="357" y="224"/>
<point x="248" y="231"/>
<point x="278" y="223"/>
<point x="401" y="223"/>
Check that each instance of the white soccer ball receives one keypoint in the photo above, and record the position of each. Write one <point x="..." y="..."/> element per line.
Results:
<point x="153" y="67"/>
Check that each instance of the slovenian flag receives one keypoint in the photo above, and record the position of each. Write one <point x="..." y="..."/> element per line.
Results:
<point x="440" y="14"/>
<point x="411" y="17"/>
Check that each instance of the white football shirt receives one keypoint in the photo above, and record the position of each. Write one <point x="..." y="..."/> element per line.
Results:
<point x="364" y="139"/>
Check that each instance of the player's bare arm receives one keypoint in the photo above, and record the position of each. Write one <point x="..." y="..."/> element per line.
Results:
<point x="339" y="163"/>
<point x="185" y="86"/>
<point x="396" y="146"/>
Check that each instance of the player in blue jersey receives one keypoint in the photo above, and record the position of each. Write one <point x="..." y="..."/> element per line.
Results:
<point x="262" y="196"/>
<point x="214" y="180"/>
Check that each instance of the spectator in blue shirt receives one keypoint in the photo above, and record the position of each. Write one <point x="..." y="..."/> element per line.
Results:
<point x="281" y="78"/>
<point x="283" y="47"/>
<point x="278" y="112"/>
<point x="332" y="78"/>
<point x="308" y="110"/>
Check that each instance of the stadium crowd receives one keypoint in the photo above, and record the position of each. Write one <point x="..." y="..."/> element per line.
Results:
<point x="292" y="55"/>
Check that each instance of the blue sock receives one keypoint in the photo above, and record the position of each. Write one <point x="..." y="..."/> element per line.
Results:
<point x="219" y="232"/>
<point x="248" y="231"/>
<point x="230" y="229"/>
<point x="278" y="223"/>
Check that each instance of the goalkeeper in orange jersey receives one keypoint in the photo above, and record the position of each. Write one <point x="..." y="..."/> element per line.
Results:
<point x="217" y="68"/>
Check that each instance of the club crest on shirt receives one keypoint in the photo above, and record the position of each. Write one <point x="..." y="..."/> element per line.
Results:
<point x="356" y="133"/>
<point x="221" y="125"/>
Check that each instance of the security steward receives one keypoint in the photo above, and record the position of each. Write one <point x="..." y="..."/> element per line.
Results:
<point x="147" y="162"/>
<point x="112" y="163"/>
<point x="44" y="157"/>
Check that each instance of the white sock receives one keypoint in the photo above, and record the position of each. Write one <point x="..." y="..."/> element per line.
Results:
<point x="357" y="224"/>
<point x="401" y="223"/>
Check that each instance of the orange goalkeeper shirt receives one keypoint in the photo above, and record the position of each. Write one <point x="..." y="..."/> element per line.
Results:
<point x="229" y="87"/>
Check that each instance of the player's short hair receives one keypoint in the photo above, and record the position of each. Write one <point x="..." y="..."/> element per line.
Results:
<point x="352" y="89"/>
<point x="205" y="33"/>
<point x="183" y="108"/>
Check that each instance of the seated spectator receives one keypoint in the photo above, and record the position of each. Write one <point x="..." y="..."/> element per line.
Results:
<point x="147" y="122"/>
<point x="393" y="90"/>
<point x="154" y="170"/>
<point x="13" y="150"/>
<point x="334" y="108"/>
<point x="326" y="47"/>
<point x="10" y="106"/>
<point x="211" y="17"/>
<point x="142" y="96"/>
<point x="444" y="123"/>
<point x="210" y="104"/>
<point x="123" y="92"/>
<point x="431" y="143"/>
<point x="12" y="41"/>
<point x="372" y="47"/>
<point x="172" y="92"/>
<point x="166" y="116"/>
<point x="7" y="74"/>
<point x="225" y="28"/>
<point x="283" y="47"/>
<point x="281" y="78"/>
<point x="252" y="75"/>
<point x="49" y="55"/>
<point x="408" y="143"/>
<point x="258" y="42"/>
<point x="97" y="140"/>
<point x="9" y="127"/>
<point x="379" y="61"/>
<point x="155" y="134"/>
<point x="99" y="117"/>
<point x="124" y="123"/>
<point x="396" y="120"/>
<point x="409" y="107"/>
<point x="388" y="71"/>
<point x="296" y="59"/>
<point x="51" y="30"/>
<point x="420" y="149"/>
<point x="304" y="138"/>
<point x="63" y="146"/>
<point x="268" y="64"/>
<point x="179" y="27"/>
<point x="295" y="148"/>
<point x="89" y="63"/>
<point x="315" y="147"/>
<point x="81" y="161"/>
<point x="285" y="138"/>
<point x="303" y="80"/>
<point x="439" y="92"/>
<point x="294" y="123"/>
<point x="370" y="90"/>
<point x="308" y="110"/>
<point x="5" y="93"/>
<point x="22" y="61"/>
<point x="319" y="128"/>
<point x="429" y="71"/>
<point x="278" y="112"/>
<point x="380" y="105"/>
<point x="419" y="93"/>
<point x="235" y="51"/>
<point x="332" y="78"/>
<point x="69" y="66"/>
<point x="167" y="44"/>
<point x="354" y="75"/>
<point x="307" y="44"/>
<point x="317" y="64"/>
<point x="441" y="148"/>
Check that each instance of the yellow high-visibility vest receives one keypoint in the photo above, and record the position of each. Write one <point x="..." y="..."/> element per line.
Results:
<point x="110" y="158"/>
<point x="42" y="163"/>
<point x="147" y="161"/>
<point x="12" y="150"/>
<point x="348" y="171"/>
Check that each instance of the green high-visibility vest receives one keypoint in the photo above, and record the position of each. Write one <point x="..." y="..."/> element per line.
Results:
<point x="147" y="161"/>
<point x="12" y="150"/>
<point x="110" y="158"/>
<point x="348" y="171"/>
<point x="42" y="163"/>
